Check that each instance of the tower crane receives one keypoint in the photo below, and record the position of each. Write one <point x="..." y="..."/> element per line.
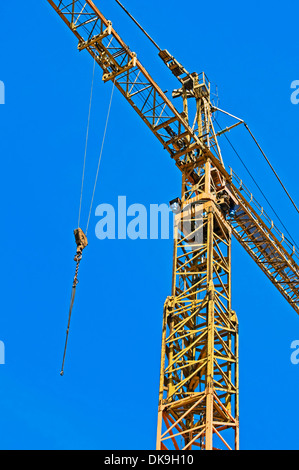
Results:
<point x="199" y="378"/>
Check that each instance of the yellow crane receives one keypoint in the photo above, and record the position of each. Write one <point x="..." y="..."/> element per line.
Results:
<point x="199" y="380"/>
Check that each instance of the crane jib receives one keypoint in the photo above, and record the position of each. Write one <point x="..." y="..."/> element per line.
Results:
<point x="199" y="379"/>
<point x="95" y="34"/>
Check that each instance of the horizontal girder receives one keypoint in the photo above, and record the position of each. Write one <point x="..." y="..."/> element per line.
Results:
<point x="252" y="228"/>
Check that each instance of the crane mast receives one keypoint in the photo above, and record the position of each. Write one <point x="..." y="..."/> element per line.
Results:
<point x="199" y="389"/>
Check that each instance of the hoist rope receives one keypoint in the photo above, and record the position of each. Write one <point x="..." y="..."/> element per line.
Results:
<point x="86" y="143"/>
<point x="259" y="188"/>
<point x="75" y="282"/>
<point x="100" y="159"/>
<point x="139" y="25"/>
<point x="273" y="170"/>
<point x="264" y="155"/>
<point x="80" y="236"/>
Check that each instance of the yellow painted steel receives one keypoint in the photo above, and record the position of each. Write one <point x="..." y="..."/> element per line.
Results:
<point x="199" y="384"/>
<point x="198" y="400"/>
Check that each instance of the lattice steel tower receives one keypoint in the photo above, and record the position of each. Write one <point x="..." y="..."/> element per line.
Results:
<point x="199" y="367"/>
<point x="198" y="399"/>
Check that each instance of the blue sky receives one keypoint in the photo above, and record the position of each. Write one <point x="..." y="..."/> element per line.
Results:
<point x="108" y="396"/>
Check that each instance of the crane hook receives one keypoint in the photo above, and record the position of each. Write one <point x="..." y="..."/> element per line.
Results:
<point x="82" y="242"/>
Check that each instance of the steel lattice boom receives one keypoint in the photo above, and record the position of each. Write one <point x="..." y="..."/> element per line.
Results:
<point x="198" y="401"/>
